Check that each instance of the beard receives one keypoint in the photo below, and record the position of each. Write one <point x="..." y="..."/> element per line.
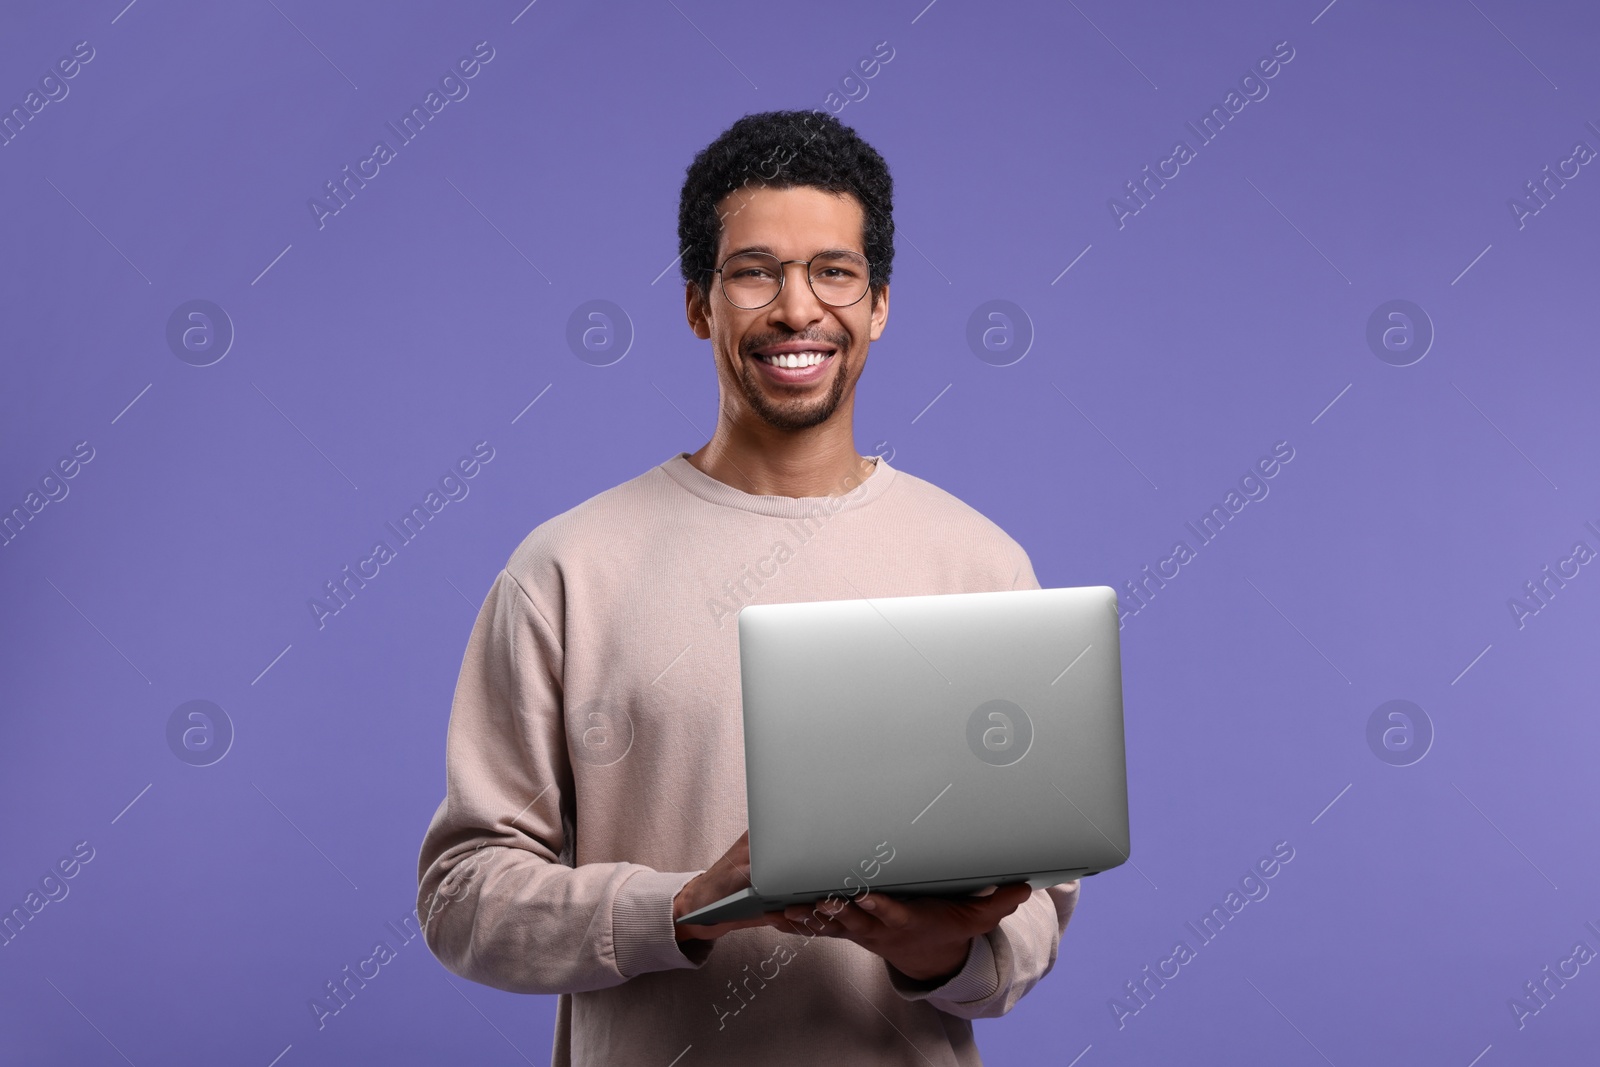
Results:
<point x="794" y="413"/>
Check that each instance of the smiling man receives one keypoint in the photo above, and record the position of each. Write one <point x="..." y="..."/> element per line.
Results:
<point x="594" y="763"/>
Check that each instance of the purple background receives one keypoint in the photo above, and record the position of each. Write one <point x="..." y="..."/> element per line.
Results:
<point x="1227" y="315"/>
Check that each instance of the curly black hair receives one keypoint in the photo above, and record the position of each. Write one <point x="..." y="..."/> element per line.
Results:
<point x="782" y="149"/>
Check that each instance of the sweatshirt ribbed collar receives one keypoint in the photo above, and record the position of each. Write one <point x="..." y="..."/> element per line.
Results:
<point x="702" y="485"/>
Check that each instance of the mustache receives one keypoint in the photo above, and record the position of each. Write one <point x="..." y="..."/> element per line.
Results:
<point x="839" y="342"/>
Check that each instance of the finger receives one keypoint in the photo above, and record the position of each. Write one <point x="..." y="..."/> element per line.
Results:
<point x="892" y="913"/>
<point x="783" y="923"/>
<point x="778" y="921"/>
<point x="1022" y="890"/>
<point x="830" y="905"/>
<point x="810" y="919"/>
<point x="1007" y="897"/>
<point x="857" y="923"/>
<point x="999" y="904"/>
<point x="812" y="926"/>
<point x="991" y="891"/>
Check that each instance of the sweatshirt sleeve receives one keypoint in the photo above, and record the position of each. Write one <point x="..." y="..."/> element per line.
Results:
<point x="1004" y="963"/>
<point x="1025" y="578"/>
<point x="499" y="899"/>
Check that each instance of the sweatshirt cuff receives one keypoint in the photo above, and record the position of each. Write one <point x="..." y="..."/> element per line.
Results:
<point x="642" y="932"/>
<point x="978" y="979"/>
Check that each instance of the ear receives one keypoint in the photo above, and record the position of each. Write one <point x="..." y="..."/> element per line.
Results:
<point x="696" y="311"/>
<point x="880" y="314"/>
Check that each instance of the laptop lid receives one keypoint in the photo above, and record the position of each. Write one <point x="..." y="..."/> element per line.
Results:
<point x="904" y="740"/>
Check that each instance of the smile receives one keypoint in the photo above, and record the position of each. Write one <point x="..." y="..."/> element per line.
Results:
<point x="794" y="360"/>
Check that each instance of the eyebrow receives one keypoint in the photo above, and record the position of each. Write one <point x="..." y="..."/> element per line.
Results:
<point x="768" y="250"/>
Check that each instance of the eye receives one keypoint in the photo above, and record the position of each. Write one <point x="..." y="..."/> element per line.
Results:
<point x="837" y="267"/>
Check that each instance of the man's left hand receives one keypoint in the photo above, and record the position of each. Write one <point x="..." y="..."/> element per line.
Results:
<point x="924" y="938"/>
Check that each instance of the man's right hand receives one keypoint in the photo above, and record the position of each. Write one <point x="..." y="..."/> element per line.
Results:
<point x="725" y="877"/>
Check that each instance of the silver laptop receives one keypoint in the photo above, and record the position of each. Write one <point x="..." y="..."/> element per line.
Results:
<point x="929" y="745"/>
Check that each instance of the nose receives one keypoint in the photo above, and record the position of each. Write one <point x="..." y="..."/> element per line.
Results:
<point x="796" y="306"/>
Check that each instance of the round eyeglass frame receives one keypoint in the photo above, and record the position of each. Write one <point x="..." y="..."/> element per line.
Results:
<point x="783" y="277"/>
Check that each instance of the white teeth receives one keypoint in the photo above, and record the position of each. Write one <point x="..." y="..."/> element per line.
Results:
<point x="794" y="360"/>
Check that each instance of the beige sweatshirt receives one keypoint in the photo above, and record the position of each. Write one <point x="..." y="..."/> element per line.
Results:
<point x="595" y="763"/>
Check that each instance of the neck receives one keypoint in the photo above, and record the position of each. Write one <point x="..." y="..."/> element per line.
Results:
<point x="763" y="461"/>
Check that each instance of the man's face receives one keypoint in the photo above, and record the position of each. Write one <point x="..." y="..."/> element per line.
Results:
<point x="793" y="224"/>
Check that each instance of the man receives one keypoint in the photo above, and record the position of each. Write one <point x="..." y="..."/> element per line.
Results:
<point x="595" y="774"/>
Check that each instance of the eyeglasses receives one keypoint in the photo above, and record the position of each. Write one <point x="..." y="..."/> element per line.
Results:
<point x="752" y="280"/>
